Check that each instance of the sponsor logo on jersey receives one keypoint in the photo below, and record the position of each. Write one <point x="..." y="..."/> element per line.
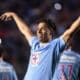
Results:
<point x="35" y="58"/>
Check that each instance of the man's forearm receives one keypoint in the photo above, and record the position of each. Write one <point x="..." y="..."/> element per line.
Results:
<point x="74" y="26"/>
<point x="67" y="34"/>
<point x="23" y="27"/>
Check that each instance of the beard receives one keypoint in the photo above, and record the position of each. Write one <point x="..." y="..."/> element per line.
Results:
<point x="44" y="38"/>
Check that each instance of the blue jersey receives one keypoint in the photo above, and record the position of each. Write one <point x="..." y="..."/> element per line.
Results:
<point x="40" y="64"/>
<point x="7" y="71"/>
<point x="68" y="67"/>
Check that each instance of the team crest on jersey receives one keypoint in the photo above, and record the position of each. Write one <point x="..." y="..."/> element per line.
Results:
<point x="35" y="58"/>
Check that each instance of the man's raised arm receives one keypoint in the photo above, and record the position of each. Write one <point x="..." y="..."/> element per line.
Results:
<point x="23" y="27"/>
<point x="67" y="34"/>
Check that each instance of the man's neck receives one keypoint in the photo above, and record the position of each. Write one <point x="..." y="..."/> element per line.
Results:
<point x="43" y="44"/>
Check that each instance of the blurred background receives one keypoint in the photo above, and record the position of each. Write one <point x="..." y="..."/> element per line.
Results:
<point x="62" y="12"/>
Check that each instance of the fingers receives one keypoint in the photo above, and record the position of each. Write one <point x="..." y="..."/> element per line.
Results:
<point x="5" y="17"/>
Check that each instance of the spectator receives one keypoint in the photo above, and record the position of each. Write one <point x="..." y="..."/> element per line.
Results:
<point x="7" y="71"/>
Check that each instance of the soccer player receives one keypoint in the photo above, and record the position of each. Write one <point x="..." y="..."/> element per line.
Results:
<point x="45" y="49"/>
<point x="68" y="67"/>
<point x="7" y="71"/>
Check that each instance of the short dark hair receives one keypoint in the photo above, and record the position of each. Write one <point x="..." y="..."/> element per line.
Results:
<point x="50" y="23"/>
<point x="2" y="51"/>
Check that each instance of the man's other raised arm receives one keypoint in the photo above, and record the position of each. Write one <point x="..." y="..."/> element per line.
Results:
<point x="67" y="34"/>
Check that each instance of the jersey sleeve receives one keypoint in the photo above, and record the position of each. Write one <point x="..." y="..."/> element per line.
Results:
<point x="34" y="42"/>
<point x="59" y="46"/>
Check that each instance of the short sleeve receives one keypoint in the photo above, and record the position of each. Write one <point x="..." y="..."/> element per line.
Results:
<point x="59" y="46"/>
<point x="33" y="42"/>
<point x="62" y="41"/>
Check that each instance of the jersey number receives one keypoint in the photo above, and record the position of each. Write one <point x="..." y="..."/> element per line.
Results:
<point x="62" y="71"/>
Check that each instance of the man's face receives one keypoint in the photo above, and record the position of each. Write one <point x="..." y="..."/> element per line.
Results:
<point x="43" y="33"/>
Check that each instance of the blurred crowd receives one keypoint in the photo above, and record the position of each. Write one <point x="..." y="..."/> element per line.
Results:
<point x="62" y="12"/>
